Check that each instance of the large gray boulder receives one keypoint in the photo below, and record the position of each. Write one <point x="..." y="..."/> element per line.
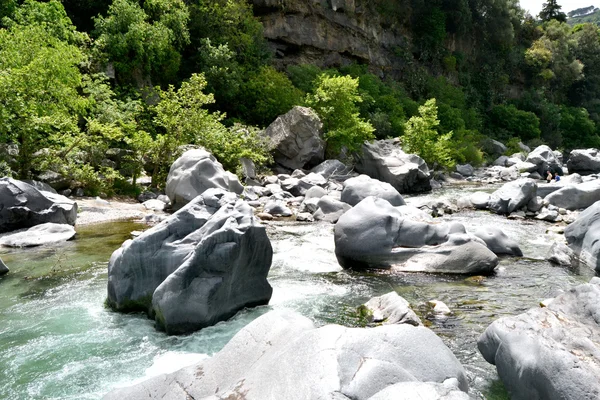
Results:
<point x="497" y="241"/>
<point x="575" y="197"/>
<point x="551" y="352"/>
<point x="512" y="196"/>
<point x="333" y="169"/>
<point x="583" y="236"/>
<point x="545" y="159"/>
<point x="296" y="138"/>
<point x="493" y="147"/>
<point x="385" y="160"/>
<point x="3" y="268"/>
<point x="329" y="209"/>
<point x="43" y="234"/>
<point x="584" y="161"/>
<point x="24" y="206"/>
<point x="374" y="234"/>
<point x="194" y="172"/>
<point x="281" y="355"/>
<point x="359" y="188"/>
<point x="200" y="266"/>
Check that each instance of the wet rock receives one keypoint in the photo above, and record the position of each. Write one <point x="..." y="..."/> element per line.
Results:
<point x="439" y="307"/>
<point x="24" y="206"/>
<point x="561" y="254"/>
<point x="512" y="196"/>
<point x="330" y="209"/>
<point x="297" y="138"/>
<point x="194" y="172"/>
<point x="574" y="197"/>
<point x="584" y="161"/>
<point x="391" y="309"/>
<point x="374" y="234"/>
<point x="384" y="160"/>
<point x="327" y="362"/>
<point x="3" y="268"/>
<point x="550" y="352"/>
<point x="198" y="267"/>
<point x="497" y="241"/>
<point x="357" y="189"/>
<point x="38" y="235"/>
<point x="583" y="236"/>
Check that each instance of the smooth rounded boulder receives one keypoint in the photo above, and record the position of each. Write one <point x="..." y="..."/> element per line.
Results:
<point x="497" y="241"/>
<point x="194" y="172"/>
<point x="550" y="352"/>
<point x="391" y="308"/>
<point x="374" y="234"/>
<point x="359" y="188"/>
<point x="384" y="160"/>
<point x="198" y="267"/>
<point x="584" y="161"/>
<point x="24" y="206"/>
<point x="575" y="197"/>
<point x="43" y="234"/>
<point x="282" y="355"/>
<point x="512" y="196"/>
<point x="583" y="236"/>
<point x="545" y="159"/>
<point x="296" y="138"/>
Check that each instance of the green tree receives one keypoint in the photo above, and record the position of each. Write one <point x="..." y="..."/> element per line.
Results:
<point x="336" y="100"/>
<point x="506" y="121"/>
<point x="551" y="10"/>
<point x="421" y="137"/>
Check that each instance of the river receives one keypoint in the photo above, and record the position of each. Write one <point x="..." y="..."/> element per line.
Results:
<point x="58" y="341"/>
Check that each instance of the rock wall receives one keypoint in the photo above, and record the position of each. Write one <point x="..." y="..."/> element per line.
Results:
<point x="330" y="32"/>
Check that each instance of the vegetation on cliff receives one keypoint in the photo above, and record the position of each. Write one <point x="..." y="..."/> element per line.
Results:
<point x="81" y="79"/>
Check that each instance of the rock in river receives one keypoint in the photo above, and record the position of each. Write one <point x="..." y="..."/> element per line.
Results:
<point x="38" y="235"/>
<point x="512" y="196"/>
<point x="551" y="352"/>
<point x="24" y="206"/>
<point x="3" y="268"/>
<point x="359" y="188"/>
<point x="583" y="236"/>
<point x="282" y="355"/>
<point x="497" y="241"/>
<point x="374" y="234"/>
<point x="200" y="266"/>
<point x="574" y="197"/>
<point x="194" y="172"/>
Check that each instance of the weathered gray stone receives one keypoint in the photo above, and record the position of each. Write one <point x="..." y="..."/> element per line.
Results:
<point x="331" y="362"/>
<point x="333" y="169"/>
<point x="480" y="200"/>
<point x="575" y="197"/>
<point x="547" y="214"/>
<point x="391" y="309"/>
<point x="277" y="208"/>
<point x="512" y="196"/>
<point x="497" y="241"/>
<point x="551" y="352"/>
<point x="330" y="209"/>
<point x="296" y="138"/>
<point x="545" y="159"/>
<point x="198" y="267"/>
<point x="561" y="254"/>
<point x="359" y="188"/>
<point x="384" y="160"/>
<point x="493" y="147"/>
<point x="422" y="390"/>
<point x="154" y="205"/>
<point x="55" y="180"/>
<point x="535" y="204"/>
<point x="465" y="169"/>
<point x="248" y="168"/>
<point x="41" y="186"/>
<point x="43" y="234"/>
<point x="583" y="236"/>
<point x="23" y="206"/>
<point x="374" y="234"/>
<point x="501" y="161"/>
<point x="584" y="161"/>
<point x="146" y="195"/>
<point x="194" y="172"/>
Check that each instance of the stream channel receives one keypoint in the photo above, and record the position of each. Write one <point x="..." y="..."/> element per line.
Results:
<point x="58" y="341"/>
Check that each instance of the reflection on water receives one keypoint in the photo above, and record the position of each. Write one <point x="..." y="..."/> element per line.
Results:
<point x="57" y="341"/>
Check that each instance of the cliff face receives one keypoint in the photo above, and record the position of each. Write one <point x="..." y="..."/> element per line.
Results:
<point x="330" y="32"/>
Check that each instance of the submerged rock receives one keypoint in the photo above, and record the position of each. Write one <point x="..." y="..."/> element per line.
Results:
<point x="38" y="235"/>
<point x="583" y="236"/>
<point x="3" y="268"/>
<point x="551" y="352"/>
<point x="374" y="234"/>
<point x="281" y="355"/>
<point x="194" y="172"/>
<point x="384" y="160"/>
<point x="24" y="206"/>
<point x="200" y="266"/>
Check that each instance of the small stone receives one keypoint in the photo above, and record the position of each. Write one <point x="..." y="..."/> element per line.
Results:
<point x="439" y="307"/>
<point x="264" y="216"/>
<point x="305" y="217"/>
